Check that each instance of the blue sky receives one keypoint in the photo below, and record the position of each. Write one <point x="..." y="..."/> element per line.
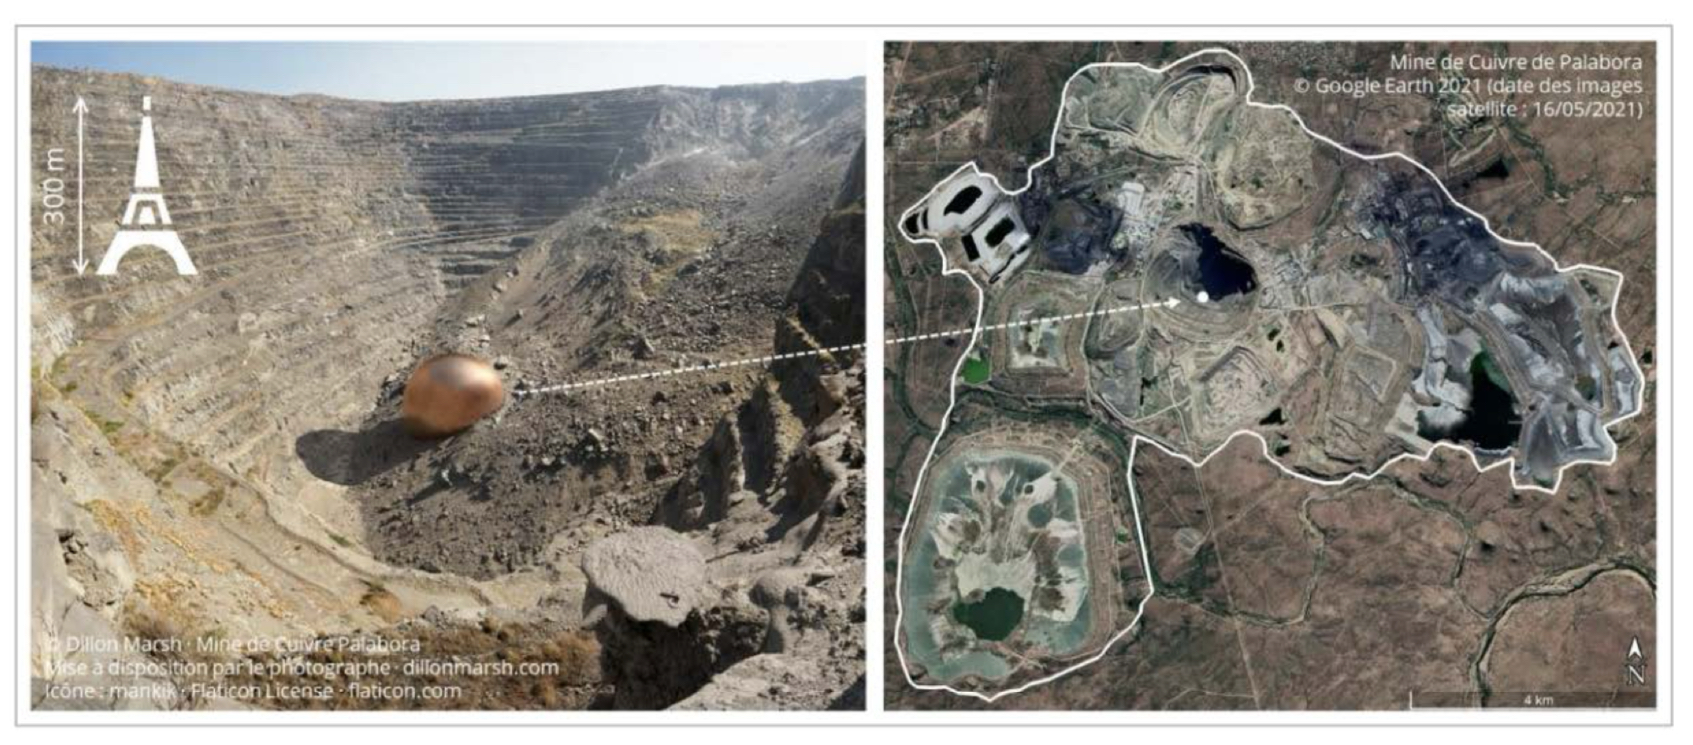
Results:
<point x="404" y="71"/>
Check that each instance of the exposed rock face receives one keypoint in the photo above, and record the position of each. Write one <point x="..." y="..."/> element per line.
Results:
<point x="329" y="233"/>
<point x="770" y="681"/>
<point x="690" y="260"/>
<point x="651" y="664"/>
<point x="81" y="573"/>
<point x="221" y="454"/>
<point x="777" y="497"/>
<point x="782" y="482"/>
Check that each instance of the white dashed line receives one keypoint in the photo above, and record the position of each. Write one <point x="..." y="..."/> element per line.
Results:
<point x="767" y="359"/>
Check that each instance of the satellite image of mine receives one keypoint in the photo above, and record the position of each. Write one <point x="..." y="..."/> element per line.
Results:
<point x="1271" y="375"/>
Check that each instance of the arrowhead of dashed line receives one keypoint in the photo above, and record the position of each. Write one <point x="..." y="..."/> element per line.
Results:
<point x="1172" y="302"/>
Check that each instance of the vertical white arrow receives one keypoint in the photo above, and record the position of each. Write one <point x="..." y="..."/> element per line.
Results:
<point x="81" y="262"/>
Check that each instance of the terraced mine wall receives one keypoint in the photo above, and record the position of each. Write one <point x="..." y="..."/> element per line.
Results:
<point x="191" y="436"/>
<point x="326" y="231"/>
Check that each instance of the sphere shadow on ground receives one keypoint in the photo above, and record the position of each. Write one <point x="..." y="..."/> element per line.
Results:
<point x="352" y="458"/>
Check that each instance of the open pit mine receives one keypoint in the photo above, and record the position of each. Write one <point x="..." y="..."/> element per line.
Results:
<point x="1190" y="267"/>
<point x="242" y="479"/>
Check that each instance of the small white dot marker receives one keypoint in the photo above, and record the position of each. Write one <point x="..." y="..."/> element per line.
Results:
<point x="1203" y="297"/>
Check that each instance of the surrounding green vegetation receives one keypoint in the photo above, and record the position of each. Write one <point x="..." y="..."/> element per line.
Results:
<point x="108" y="426"/>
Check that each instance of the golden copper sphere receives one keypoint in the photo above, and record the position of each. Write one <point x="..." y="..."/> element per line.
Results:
<point x="448" y="393"/>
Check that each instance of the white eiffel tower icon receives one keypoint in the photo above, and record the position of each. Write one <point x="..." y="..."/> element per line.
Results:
<point x="146" y="221"/>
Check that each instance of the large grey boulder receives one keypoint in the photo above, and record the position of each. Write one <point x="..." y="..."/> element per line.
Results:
<point x="651" y="572"/>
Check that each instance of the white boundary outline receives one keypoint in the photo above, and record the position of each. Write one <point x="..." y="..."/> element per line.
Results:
<point x="1134" y="497"/>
